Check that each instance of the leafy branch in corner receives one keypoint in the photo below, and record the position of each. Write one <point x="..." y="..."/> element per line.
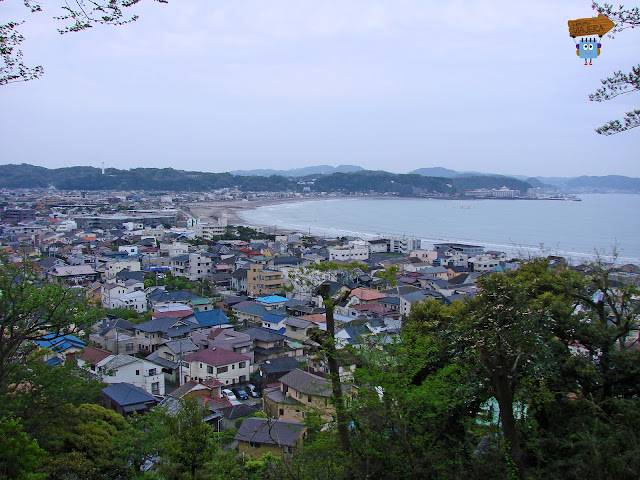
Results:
<point x="620" y="83"/>
<point x="82" y="14"/>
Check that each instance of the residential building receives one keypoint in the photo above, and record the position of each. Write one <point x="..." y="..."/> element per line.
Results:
<point x="227" y="339"/>
<point x="126" y="399"/>
<point x="115" y="335"/>
<point x="257" y="436"/>
<point x="210" y="230"/>
<point x="403" y="244"/>
<point x="353" y="252"/>
<point x="225" y="366"/>
<point x="128" y="369"/>
<point x="299" y="393"/>
<point x="261" y="280"/>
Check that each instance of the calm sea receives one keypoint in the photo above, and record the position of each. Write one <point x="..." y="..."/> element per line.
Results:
<point x="567" y="228"/>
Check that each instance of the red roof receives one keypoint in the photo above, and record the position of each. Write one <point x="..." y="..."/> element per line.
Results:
<point x="215" y="356"/>
<point x="215" y="332"/>
<point x="366" y="294"/>
<point x="172" y="314"/>
<point x="94" y="355"/>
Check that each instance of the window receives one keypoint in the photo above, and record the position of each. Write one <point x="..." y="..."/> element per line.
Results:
<point x="128" y="347"/>
<point x="309" y="399"/>
<point x="233" y="367"/>
<point x="242" y="364"/>
<point x="137" y="372"/>
<point x="209" y="369"/>
<point x="282" y="411"/>
<point x="155" y="388"/>
<point x="223" y="369"/>
<point x="152" y="372"/>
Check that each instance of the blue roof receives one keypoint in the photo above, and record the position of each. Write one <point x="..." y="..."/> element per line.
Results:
<point x="272" y="299"/>
<point x="61" y="342"/>
<point x="211" y="318"/>
<point x="273" y="318"/>
<point x="54" y="361"/>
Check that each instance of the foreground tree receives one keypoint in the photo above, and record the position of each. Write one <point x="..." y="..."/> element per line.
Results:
<point x="316" y="277"/>
<point x="31" y="308"/>
<point x="188" y="447"/>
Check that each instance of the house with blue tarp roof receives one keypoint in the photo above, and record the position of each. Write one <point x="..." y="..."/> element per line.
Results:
<point x="272" y="299"/>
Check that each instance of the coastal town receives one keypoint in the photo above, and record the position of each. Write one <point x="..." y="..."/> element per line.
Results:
<point x="197" y="306"/>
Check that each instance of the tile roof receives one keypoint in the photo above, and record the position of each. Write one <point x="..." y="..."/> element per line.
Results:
<point x="366" y="294"/>
<point x="210" y="318"/>
<point x="125" y="394"/>
<point x="173" y="314"/>
<point x="215" y="356"/>
<point x="307" y="383"/>
<point x="170" y="326"/>
<point x="263" y="334"/>
<point x="93" y="355"/>
<point x="238" y="411"/>
<point x="262" y="430"/>
<point x="119" y="361"/>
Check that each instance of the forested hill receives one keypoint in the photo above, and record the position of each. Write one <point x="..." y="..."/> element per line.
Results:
<point x="89" y="178"/>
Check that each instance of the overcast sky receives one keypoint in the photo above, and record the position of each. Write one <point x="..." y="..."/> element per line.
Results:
<point x="492" y="86"/>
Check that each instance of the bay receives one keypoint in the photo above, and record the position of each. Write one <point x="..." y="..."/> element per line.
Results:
<point x="579" y="230"/>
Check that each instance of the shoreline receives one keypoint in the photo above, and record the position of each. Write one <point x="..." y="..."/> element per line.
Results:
<point x="233" y="212"/>
<point x="230" y="210"/>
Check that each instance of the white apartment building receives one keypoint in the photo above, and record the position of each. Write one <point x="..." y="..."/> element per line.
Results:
<point x="353" y="252"/>
<point x="210" y="230"/>
<point x="403" y="244"/>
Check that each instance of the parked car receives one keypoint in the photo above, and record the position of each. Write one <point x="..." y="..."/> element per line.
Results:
<point x="229" y="394"/>
<point x="241" y="394"/>
<point x="252" y="391"/>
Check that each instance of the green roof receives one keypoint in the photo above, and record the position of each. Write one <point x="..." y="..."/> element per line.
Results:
<point x="200" y="301"/>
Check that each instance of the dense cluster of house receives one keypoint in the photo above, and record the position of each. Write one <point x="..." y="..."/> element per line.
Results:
<point x="258" y="329"/>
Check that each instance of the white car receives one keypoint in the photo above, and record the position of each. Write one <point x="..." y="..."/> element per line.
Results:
<point x="230" y="395"/>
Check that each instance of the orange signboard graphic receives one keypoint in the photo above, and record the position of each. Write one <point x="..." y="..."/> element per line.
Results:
<point x="590" y="26"/>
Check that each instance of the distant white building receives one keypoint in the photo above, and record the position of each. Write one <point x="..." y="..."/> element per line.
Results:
<point x="354" y="251"/>
<point x="210" y="230"/>
<point x="403" y="244"/>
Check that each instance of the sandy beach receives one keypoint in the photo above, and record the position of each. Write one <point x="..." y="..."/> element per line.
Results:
<point x="211" y="211"/>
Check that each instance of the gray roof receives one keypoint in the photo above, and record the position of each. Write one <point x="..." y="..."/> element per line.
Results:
<point x="262" y="430"/>
<point x="279" y="365"/>
<point x="156" y="358"/>
<point x="420" y="295"/>
<point x="165" y="325"/>
<point x="238" y="411"/>
<point x="263" y="334"/>
<point x="298" y="322"/>
<point x="181" y="346"/>
<point x="125" y="394"/>
<point x="120" y="360"/>
<point x="307" y="383"/>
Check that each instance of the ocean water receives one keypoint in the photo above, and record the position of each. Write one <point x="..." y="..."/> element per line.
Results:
<point x="579" y="230"/>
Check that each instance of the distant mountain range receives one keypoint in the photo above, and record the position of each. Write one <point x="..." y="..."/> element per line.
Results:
<point x="344" y="178"/>
<point x="169" y="179"/>
<point x="583" y="184"/>
<point x="300" y="172"/>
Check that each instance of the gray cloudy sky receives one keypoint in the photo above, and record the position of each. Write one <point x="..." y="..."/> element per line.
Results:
<point x="493" y="86"/>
